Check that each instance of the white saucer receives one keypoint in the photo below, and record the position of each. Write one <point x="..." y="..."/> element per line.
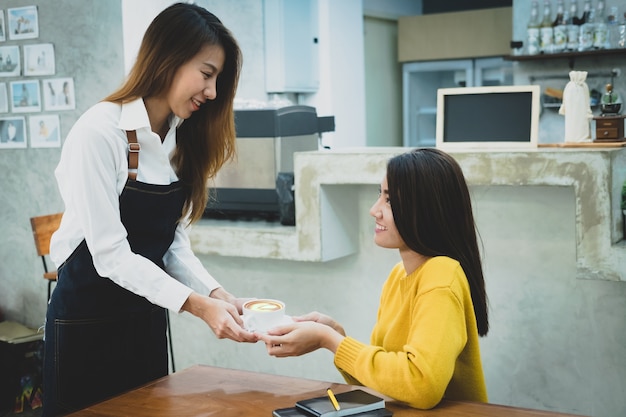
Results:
<point x="285" y="320"/>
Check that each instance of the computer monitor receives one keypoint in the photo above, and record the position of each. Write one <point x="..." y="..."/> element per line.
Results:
<point x="488" y="117"/>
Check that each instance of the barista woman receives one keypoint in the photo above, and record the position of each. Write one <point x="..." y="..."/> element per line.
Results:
<point x="122" y="251"/>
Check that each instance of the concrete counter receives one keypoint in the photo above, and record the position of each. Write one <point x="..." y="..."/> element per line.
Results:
<point x="325" y="200"/>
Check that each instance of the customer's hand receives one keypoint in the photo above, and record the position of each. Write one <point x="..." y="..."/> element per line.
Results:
<point x="299" y="338"/>
<point x="221" y="316"/>
<point x="322" y="319"/>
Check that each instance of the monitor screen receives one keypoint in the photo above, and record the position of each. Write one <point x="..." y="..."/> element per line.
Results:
<point x="496" y="117"/>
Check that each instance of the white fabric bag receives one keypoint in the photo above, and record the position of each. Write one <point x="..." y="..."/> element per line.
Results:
<point x="576" y="108"/>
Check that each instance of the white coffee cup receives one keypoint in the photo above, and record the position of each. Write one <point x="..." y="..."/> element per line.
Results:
<point x="262" y="314"/>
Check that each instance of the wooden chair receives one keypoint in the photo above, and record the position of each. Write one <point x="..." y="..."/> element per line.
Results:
<point x="43" y="227"/>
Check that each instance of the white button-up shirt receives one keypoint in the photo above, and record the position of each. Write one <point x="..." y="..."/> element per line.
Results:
<point x="91" y="175"/>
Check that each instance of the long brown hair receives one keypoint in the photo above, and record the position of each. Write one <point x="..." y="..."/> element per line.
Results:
<point x="432" y="211"/>
<point x="206" y="140"/>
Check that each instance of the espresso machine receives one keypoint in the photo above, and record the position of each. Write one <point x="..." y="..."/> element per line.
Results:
<point x="259" y="182"/>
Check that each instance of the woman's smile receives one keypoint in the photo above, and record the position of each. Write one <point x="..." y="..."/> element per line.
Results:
<point x="380" y="228"/>
<point x="196" y="103"/>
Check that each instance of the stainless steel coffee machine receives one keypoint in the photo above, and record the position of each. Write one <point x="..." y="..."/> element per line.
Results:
<point x="255" y="184"/>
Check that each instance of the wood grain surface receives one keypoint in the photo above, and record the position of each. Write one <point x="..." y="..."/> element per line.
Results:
<point x="210" y="391"/>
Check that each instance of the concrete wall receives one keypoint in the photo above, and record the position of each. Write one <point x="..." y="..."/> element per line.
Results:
<point x="87" y="39"/>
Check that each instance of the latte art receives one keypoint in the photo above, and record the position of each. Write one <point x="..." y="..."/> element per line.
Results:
<point x="263" y="305"/>
<point x="261" y="314"/>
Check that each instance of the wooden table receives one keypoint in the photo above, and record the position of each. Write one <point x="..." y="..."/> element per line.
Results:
<point x="210" y="391"/>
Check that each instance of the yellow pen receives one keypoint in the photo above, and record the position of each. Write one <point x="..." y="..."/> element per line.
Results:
<point x="333" y="400"/>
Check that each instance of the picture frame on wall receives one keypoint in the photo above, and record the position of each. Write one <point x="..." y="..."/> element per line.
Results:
<point x="3" y="36"/>
<point x="44" y="131"/>
<point x="10" y="61"/>
<point x="25" y="96"/>
<point x="4" y="101"/>
<point x="23" y="22"/>
<point x="58" y="94"/>
<point x="39" y="59"/>
<point x="12" y="132"/>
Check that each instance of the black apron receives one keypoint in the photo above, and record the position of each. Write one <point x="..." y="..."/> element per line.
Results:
<point x="101" y="339"/>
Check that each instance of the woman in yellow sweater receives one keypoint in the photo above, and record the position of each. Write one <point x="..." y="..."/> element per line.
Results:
<point x="433" y="307"/>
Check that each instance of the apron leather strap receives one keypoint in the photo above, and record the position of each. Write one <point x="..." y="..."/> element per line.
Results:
<point x="133" y="154"/>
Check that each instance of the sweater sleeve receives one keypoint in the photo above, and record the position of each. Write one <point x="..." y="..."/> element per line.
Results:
<point x="415" y="345"/>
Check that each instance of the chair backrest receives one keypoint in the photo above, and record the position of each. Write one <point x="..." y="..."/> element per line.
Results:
<point x="43" y="228"/>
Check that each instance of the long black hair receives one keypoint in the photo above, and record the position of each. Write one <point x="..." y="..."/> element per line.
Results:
<point x="432" y="210"/>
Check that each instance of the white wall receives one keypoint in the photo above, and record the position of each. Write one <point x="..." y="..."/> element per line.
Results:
<point x="342" y="74"/>
<point x="383" y="83"/>
<point x="391" y="9"/>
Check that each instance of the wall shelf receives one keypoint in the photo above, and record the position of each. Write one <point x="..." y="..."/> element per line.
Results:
<point x="571" y="56"/>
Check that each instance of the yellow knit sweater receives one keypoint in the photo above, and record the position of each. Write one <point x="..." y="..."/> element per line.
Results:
<point x="424" y="346"/>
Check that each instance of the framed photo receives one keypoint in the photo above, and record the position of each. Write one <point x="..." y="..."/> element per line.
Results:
<point x="3" y="36"/>
<point x="23" y="23"/>
<point x="25" y="96"/>
<point x="12" y="132"/>
<point x="10" y="61"/>
<point x="39" y="59"/>
<point x="44" y="131"/>
<point x="4" y="101"/>
<point x="58" y="94"/>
